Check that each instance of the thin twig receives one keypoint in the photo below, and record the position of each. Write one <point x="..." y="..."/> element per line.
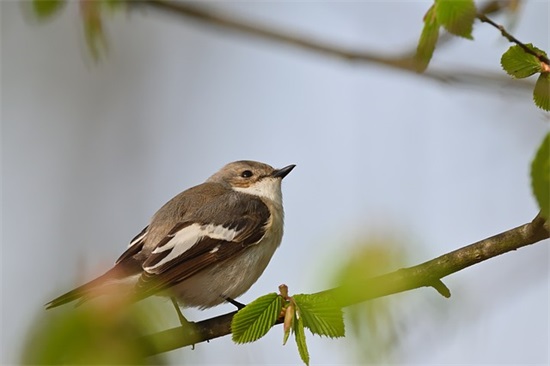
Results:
<point x="513" y="39"/>
<point x="427" y="274"/>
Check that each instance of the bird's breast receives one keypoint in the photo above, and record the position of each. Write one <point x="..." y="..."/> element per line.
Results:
<point x="234" y="276"/>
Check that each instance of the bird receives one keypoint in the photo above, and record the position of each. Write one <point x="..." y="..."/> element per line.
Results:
<point x="206" y="246"/>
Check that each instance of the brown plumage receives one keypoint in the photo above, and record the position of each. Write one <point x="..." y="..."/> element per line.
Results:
<point x="208" y="243"/>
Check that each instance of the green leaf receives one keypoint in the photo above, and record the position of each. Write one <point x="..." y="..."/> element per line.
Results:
<point x="540" y="176"/>
<point x="541" y="93"/>
<point x="457" y="16"/>
<point x="45" y="9"/>
<point x="427" y="42"/>
<point x="321" y="315"/>
<point x="91" y="13"/>
<point x="254" y="320"/>
<point x="300" y="337"/>
<point x="520" y="64"/>
<point x="114" y="4"/>
<point x="98" y="333"/>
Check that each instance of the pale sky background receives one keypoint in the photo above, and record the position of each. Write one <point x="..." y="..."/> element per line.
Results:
<point x="90" y="152"/>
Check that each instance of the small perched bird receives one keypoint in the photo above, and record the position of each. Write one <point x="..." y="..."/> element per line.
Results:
<point x="207" y="245"/>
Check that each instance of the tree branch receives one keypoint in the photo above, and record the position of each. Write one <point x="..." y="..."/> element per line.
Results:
<point x="404" y="62"/>
<point x="513" y="39"/>
<point x="427" y="274"/>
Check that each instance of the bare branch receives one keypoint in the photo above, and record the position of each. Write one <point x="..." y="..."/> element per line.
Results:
<point x="405" y="62"/>
<point x="427" y="274"/>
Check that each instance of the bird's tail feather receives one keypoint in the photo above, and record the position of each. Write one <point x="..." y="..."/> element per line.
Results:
<point x="91" y="289"/>
<point x="77" y="293"/>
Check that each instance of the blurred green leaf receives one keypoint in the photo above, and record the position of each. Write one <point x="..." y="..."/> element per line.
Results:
<point x="321" y="315"/>
<point x="428" y="40"/>
<point x="114" y="5"/>
<point x="45" y="9"/>
<point x="95" y="333"/>
<point x="456" y="16"/>
<point x="540" y="176"/>
<point x="520" y="64"/>
<point x="371" y="258"/>
<point x="300" y="337"/>
<point x="254" y="320"/>
<point x="541" y="93"/>
<point x="93" y="27"/>
<point x="373" y="324"/>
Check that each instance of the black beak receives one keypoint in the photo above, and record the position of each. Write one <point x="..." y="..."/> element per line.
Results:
<point x="281" y="173"/>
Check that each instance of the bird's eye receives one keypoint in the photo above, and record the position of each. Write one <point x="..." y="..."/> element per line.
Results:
<point x="246" y="174"/>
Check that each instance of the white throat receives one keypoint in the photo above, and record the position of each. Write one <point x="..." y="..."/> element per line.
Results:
<point x="269" y="188"/>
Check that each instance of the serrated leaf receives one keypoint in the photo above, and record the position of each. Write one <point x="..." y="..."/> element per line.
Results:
<point x="44" y="9"/>
<point x="321" y="315"/>
<point x="300" y="337"/>
<point x="254" y="320"/>
<point x="540" y="176"/>
<point x="456" y="16"/>
<point x="518" y="63"/>
<point x="427" y="42"/>
<point x="541" y="93"/>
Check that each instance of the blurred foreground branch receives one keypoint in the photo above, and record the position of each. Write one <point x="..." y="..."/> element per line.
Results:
<point x="427" y="274"/>
<point x="405" y="62"/>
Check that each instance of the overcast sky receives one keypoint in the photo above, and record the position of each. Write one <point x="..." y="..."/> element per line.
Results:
<point x="90" y="152"/>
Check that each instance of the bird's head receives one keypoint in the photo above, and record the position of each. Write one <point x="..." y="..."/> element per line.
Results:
<point x="253" y="178"/>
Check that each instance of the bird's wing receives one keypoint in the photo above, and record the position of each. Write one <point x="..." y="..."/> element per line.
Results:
<point x="194" y="245"/>
<point x="135" y="246"/>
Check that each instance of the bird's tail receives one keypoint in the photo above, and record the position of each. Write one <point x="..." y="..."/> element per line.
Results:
<point x="101" y="285"/>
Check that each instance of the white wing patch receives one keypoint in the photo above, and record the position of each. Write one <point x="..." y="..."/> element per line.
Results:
<point x="184" y="239"/>
<point x="137" y="239"/>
